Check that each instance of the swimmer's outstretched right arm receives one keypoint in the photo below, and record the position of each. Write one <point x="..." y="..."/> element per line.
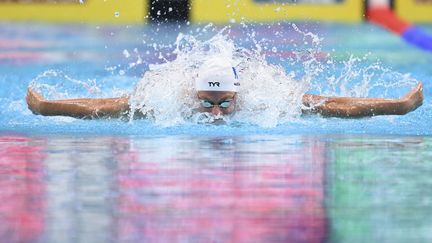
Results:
<point x="79" y="108"/>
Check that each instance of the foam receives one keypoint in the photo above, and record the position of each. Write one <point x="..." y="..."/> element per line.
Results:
<point x="166" y="94"/>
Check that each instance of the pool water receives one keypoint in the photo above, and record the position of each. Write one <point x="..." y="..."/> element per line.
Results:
<point x="257" y="188"/>
<point x="310" y="180"/>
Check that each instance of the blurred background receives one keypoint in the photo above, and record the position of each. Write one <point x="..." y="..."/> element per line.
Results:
<point x="143" y="11"/>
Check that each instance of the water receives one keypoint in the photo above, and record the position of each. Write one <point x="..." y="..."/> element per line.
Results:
<point x="308" y="179"/>
<point x="265" y="188"/>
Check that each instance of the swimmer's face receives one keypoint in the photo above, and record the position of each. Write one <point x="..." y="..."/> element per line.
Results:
<point x="217" y="102"/>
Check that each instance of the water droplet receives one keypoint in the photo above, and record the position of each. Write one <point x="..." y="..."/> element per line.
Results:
<point x="116" y="14"/>
<point x="126" y="53"/>
<point x="170" y="9"/>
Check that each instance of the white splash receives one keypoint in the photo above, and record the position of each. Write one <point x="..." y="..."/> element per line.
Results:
<point x="51" y="84"/>
<point x="267" y="97"/>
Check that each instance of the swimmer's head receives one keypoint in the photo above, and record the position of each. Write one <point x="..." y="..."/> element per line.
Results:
<point x="217" y="85"/>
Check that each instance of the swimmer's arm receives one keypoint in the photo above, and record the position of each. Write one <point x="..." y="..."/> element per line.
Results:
<point x="361" y="107"/>
<point x="79" y="108"/>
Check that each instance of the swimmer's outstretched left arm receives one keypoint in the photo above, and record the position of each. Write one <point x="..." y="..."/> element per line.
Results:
<point x="361" y="107"/>
<point x="79" y="108"/>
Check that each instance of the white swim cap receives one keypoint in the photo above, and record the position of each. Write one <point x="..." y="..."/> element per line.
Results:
<point x="217" y="74"/>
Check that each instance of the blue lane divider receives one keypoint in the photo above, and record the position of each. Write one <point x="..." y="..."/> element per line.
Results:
<point x="418" y="37"/>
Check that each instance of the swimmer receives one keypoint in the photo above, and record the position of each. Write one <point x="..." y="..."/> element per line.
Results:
<point x="217" y="86"/>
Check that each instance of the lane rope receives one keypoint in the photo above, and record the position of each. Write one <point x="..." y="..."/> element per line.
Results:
<point x="387" y="18"/>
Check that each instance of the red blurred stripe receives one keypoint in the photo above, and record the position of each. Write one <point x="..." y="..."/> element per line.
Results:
<point x="386" y="18"/>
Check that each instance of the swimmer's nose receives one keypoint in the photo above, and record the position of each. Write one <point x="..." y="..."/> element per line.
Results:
<point x="216" y="111"/>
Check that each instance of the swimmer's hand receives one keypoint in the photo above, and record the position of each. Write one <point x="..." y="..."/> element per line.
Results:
<point x="363" y="107"/>
<point x="34" y="101"/>
<point x="414" y="98"/>
<point x="79" y="108"/>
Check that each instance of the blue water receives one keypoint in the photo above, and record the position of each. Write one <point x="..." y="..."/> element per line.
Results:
<point x="310" y="180"/>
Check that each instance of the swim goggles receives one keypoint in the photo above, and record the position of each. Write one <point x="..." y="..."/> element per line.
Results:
<point x="223" y="104"/>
